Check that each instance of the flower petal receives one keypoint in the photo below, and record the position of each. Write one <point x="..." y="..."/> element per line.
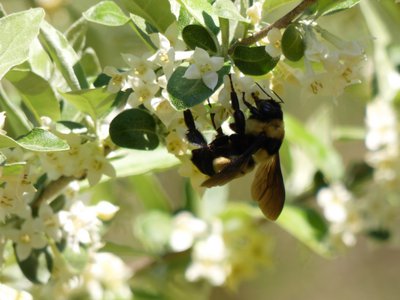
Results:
<point x="210" y="79"/>
<point x="192" y="72"/>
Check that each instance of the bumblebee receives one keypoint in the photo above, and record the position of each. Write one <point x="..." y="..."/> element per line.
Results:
<point x="255" y="141"/>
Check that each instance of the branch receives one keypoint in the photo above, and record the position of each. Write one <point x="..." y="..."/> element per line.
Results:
<point x="280" y="23"/>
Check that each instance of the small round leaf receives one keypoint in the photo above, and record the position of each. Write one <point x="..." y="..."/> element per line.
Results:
<point x="293" y="45"/>
<point x="253" y="60"/>
<point x="198" y="36"/>
<point x="134" y="129"/>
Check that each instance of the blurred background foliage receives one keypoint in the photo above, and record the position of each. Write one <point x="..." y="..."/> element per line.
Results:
<point x="365" y="271"/>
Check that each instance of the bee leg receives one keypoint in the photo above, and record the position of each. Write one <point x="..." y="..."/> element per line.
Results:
<point x="212" y="116"/>
<point x="238" y="116"/>
<point x="193" y="134"/>
<point x="253" y="110"/>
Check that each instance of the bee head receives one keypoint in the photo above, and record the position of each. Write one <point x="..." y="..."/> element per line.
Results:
<point x="267" y="109"/>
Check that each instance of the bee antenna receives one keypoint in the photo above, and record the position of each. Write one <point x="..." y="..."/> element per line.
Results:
<point x="266" y="93"/>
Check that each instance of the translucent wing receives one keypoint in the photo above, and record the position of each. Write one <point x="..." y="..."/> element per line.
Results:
<point x="237" y="168"/>
<point x="268" y="187"/>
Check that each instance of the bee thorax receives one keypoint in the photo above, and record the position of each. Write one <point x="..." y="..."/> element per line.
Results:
<point x="271" y="129"/>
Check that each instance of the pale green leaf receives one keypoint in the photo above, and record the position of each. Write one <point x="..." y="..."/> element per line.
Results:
<point x="106" y="13"/>
<point x="36" y="93"/>
<point x="17" y="33"/>
<point x="324" y="156"/>
<point x="37" y="139"/>
<point x="307" y="226"/>
<point x="93" y="102"/>
<point x="156" y="12"/>
<point x="61" y="52"/>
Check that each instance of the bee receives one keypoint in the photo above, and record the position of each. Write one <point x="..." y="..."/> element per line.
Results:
<point x="254" y="141"/>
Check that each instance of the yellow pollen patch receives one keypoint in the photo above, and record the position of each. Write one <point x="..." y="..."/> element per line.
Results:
<point x="25" y="238"/>
<point x="117" y="79"/>
<point x="205" y="68"/>
<point x="316" y="86"/>
<point x="346" y="74"/>
<point x="50" y="222"/>
<point x="164" y="57"/>
<point x="6" y="202"/>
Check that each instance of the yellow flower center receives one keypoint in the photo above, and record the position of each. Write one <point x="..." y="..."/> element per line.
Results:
<point x="25" y="238"/>
<point x="316" y="86"/>
<point x="205" y="68"/>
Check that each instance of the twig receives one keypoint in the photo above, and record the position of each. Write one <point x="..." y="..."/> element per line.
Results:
<point x="280" y="23"/>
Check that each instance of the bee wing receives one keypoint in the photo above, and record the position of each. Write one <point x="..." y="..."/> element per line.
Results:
<point x="238" y="167"/>
<point x="268" y="187"/>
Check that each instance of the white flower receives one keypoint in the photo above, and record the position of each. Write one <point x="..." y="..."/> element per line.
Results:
<point x="9" y="293"/>
<point x="209" y="260"/>
<point x="382" y="125"/>
<point x="15" y="194"/>
<point x="163" y="109"/>
<point x="81" y="225"/>
<point x="117" y="81"/>
<point x="185" y="228"/>
<point x="2" y="121"/>
<point x="50" y="222"/>
<point x="176" y="144"/>
<point x="173" y="35"/>
<point x="333" y="201"/>
<point x="204" y="67"/>
<point x="165" y="55"/>
<point x="28" y="237"/>
<point x="254" y="12"/>
<point x="107" y="277"/>
<point x="274" y="37"/>
<point x="141" y="67"/>
<point x="342" y="211"/>
<point x="142" y="91"/>
<point x="105" y="210"/>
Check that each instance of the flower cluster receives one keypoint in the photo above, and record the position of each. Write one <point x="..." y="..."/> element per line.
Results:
<point x="219" y="245"/>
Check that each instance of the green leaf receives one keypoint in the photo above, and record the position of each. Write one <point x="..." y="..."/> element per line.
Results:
<point x="190" y="92"/>
<point x="13" y="169"/>
<point x="150" y="192"/>
<point x="156" y="12"/>
<point x="197" y="8"/>
<point x="16" y="122"/>
<point x="17" y="33"/>
<point x="37" y="139"/>
<point x="307" y="226"/>
<point x="94" y="102"/>
<point x="153" y="230"/>
<point x="227" y="10"/>
<point x="325" y="7"/>
<point x="143" y="29"/>
<point x="42" y="140"/>
<point x="36" y="266"/>
<point x="61" y="52"/>
<point x="36" y="93"/>
<point x="144" y="161"/>
<point x="135" y="129"/>
<point x="293" y="45"/>
<point x="325" y="157"/>
<point x="253" y="60"/>
<point x="106" y="13"/>
<point x="76" y="259"/>
<point x="271" y="5"/>
<point x="198" y="36"/>
<point x="90" y="63"/>
<point x="213" y="202"/>
<point x="76" y="34"/>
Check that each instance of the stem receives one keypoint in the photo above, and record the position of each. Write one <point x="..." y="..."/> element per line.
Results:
<point x="280" y="23"/>
<point x="53" y="189"/>
<point x="224" y="25"/>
